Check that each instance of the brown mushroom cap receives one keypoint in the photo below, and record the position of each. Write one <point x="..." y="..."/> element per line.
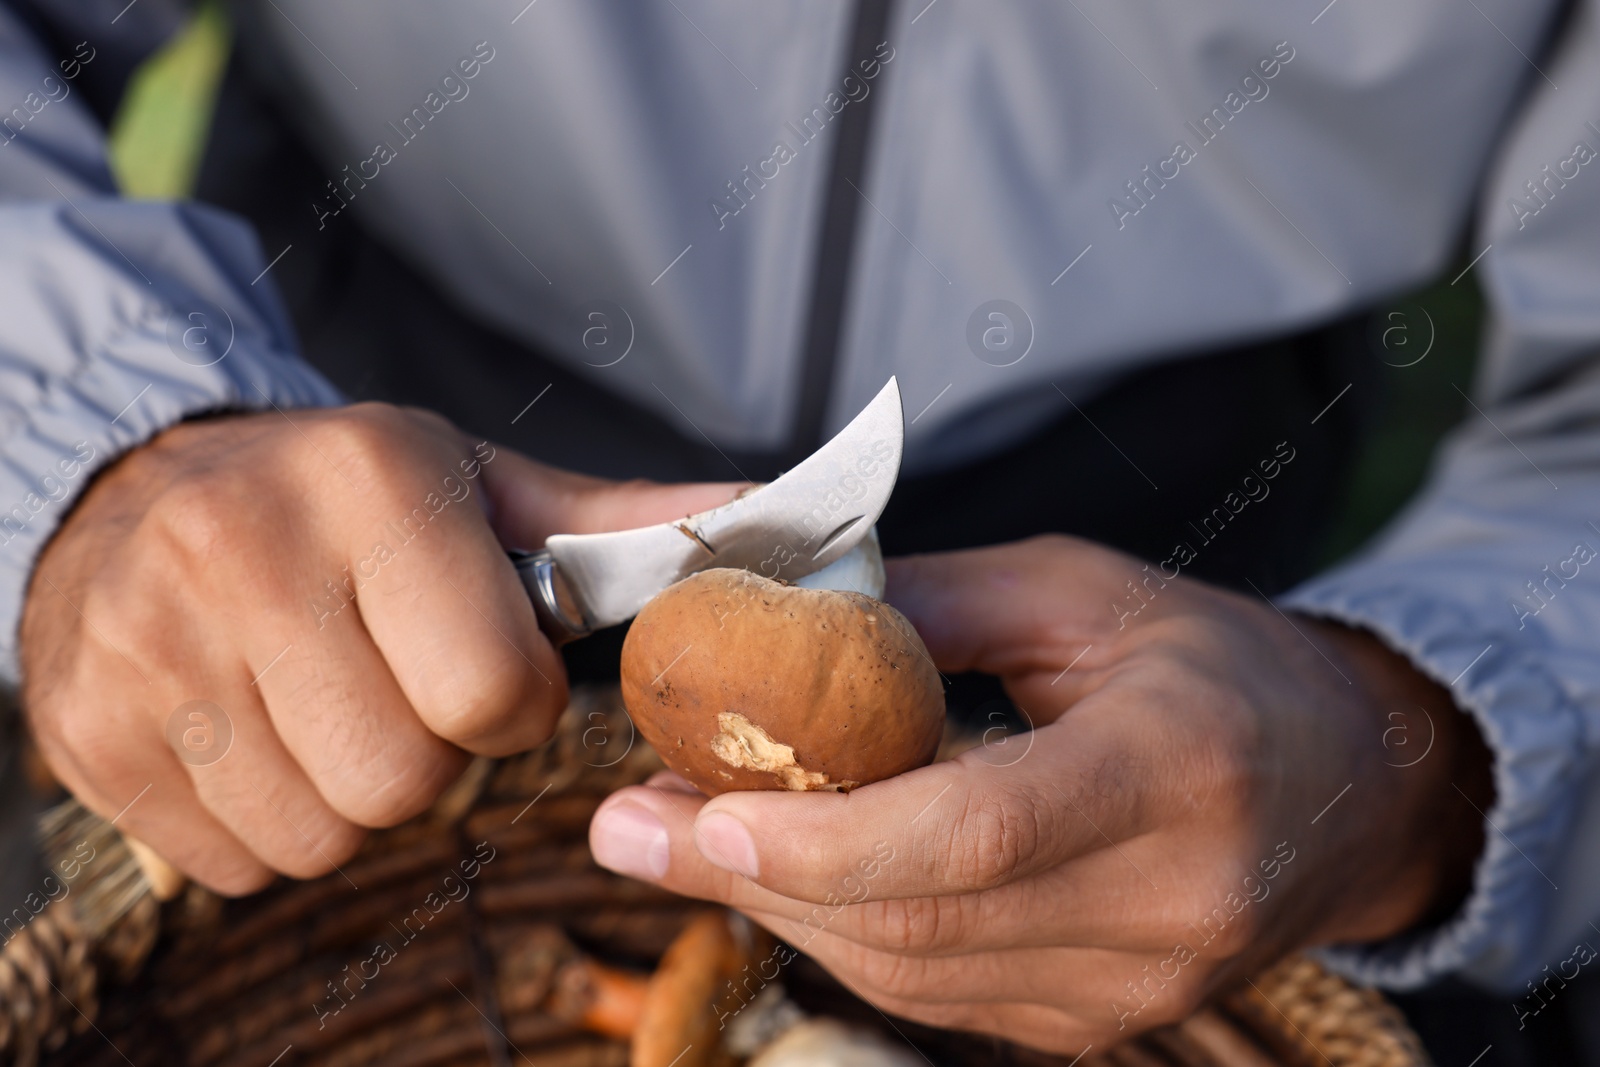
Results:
<point x="741" y="682"/>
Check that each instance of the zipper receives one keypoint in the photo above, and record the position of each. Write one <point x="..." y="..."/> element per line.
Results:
<point x="831" y="273"/>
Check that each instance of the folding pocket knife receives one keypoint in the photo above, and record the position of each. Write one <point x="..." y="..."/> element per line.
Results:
<point x="811" y="516"/>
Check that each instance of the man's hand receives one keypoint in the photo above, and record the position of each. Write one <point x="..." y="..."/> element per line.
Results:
<point x="333" y="582"/>
<point x="1210" y="785"/>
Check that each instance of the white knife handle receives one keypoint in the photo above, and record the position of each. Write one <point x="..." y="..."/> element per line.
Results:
<point x="559" y="615"/>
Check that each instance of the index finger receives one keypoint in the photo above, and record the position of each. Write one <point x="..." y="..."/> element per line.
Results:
<point x="1006" y="609"/>
<point x="443" y="604"/>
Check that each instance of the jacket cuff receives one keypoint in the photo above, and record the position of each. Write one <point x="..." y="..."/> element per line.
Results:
<point x="116" y="402"/>
<point x="1501" y="676"/>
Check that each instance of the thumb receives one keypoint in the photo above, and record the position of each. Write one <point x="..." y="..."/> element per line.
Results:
<point x="530" y="501"/>
<point x="1007" y="609"/>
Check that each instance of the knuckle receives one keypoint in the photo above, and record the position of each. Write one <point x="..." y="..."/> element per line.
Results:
<point x="360" y="441"/>
<point x="91" y="742"/>
<point x="1239" y="935"/>
<point x="379" y="812"/>
<point x="894" y="977"/>
<point x="57" y="719"/>
<point x="483" y="701"/>
<point x="233" y="876"/>
<point x="1053" y="551"/>
<point x="408" y="791"/>
<point x="370" y="775"/>
<point x="1233" y="782"/>
<point x="633" y="486"/>
<point x="377" y="413"/>
<point x="283" y="824"/>
<point x="428" y="418"/>
<point x="318" y="853"/>
<point x="1179" y="1001"/>
<point x="909" y="927"/>
<point x="200" y="516"/>
<point x="1052" y="542"/>
<point x="77" y="736"/>
<point x="995" y="834"/>
<point x="1228" y="923"/>
<point x="1182" y="666"/>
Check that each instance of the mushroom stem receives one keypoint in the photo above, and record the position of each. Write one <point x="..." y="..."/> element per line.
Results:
<point x="601" y="999"/>
<point x="680" y="1023"/>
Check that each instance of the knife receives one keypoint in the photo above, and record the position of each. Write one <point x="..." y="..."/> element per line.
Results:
<point x="809" y="517"/>
<point x="813" y="515"/>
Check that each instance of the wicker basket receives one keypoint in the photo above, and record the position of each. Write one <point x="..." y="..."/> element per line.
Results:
<point x="491" y="907"/>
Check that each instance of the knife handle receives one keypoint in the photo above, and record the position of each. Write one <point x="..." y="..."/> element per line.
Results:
<point x="559" y="615"/>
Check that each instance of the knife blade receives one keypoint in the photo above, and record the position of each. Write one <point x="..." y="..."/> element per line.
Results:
<point x="810" y="516"/>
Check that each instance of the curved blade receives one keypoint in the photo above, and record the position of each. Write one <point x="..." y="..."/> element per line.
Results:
<point x="809" y="517"/>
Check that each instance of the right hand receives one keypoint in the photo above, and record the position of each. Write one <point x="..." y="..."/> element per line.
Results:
<point x="334" y="581"/>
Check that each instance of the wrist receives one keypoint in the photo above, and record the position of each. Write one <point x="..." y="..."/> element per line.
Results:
<point x="1430" y="784"/>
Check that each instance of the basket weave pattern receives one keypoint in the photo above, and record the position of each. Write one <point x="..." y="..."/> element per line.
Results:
<point x="484" y="908"/>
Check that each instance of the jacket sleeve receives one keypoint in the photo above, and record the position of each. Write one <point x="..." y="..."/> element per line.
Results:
<point x="1490" y="580"/>
<point x="117" y="318"/>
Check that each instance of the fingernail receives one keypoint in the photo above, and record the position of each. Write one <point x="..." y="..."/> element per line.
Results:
<point x="630" y="840"/>
<point x="726" y="842"/>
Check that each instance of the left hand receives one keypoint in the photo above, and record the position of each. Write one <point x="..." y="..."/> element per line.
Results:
<point x="1211" y="785"/>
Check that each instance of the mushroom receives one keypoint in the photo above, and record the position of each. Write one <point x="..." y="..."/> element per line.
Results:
<point x="601" y="999"/>
<point x="700" y="1010"/>
<point x="744" y="682"/>
<point x="683" y="1013"/>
